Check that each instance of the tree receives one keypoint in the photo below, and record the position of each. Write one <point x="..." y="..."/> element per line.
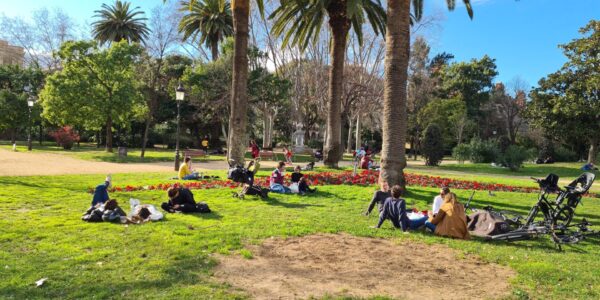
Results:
<point x="450" y="115"/>
<point x="470" y="81"/>
<point x="119" y="22"/>
<point x="210" y="20"/>
<point x="433" y="145"/>
<point x="567" y="102"/>
<point x="510" y="107"/>
<point x="154" y="81"/>
<point x="13" y="98"/>
<point x="301" y="21"/>
<point x="41" y="36"/>
<point x="393" y="159"/>
<point x="95" y="87"/>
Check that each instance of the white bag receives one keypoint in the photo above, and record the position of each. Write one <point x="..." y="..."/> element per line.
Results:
<point x="294" y="188"/>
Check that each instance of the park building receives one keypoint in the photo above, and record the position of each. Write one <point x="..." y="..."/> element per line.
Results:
<point x="11" y="55"/>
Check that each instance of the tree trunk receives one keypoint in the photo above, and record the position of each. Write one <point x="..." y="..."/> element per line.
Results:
<point x="349" y="142"/>
<point x="593" y="152"/>
<point x="145" y="138"/>
<point x="268" y="130"/>
<point x="214" y="48"/>
<point x="41" y="134"/>
<point x="357" y="138"/>
<point x="109" y="138"/>
<point x="333" y="152"/>
<point x="225" y="134"/>
<point x="237" y="140"/>
<point x="393" y="159"/>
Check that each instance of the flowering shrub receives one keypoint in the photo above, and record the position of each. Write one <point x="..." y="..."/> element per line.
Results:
<point x="65" y="137"/>
<point x="364" y="178"/>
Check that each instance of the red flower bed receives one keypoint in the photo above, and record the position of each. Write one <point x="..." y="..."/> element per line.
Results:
<point x="364" y="178"/>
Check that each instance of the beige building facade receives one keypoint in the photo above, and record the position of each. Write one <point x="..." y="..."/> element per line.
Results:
<point x="11" y="55"/>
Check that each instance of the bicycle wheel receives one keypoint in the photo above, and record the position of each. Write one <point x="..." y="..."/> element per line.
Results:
<point x="517" y="235"/>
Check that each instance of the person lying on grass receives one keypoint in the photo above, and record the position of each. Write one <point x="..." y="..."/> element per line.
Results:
<point x="379" y="197"/>
<point x="451" y="219"/>
<point x="182" y="200"/>
<point x="299" y="181"/>
<point x="394" y="209"/>
<point x="185" y="170"/>
<point x="107" y="212"/>
<point x="101" y="192"/>
<point x="276" y="182"/>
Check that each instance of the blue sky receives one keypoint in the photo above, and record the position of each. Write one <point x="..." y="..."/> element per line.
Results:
<point x="521" y="35"/>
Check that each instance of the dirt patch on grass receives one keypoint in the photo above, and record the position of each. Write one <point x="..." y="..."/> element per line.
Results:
<point x="344" y="265"/>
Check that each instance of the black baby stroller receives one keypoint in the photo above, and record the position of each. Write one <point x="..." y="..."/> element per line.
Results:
<point x="238" y="173"/>
<point x="557" y="215"/>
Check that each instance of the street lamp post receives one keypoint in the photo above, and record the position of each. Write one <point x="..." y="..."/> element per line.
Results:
<point x="179" y="96"/>
<point x="30" y="102"/>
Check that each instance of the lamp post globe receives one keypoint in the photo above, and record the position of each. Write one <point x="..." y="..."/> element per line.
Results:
<point x="179" y="96"/>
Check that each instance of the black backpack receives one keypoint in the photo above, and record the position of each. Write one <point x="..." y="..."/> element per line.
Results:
<point x="202" y="207"/>
<point x="237" y="174"/>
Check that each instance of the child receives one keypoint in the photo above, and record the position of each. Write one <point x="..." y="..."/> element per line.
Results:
<point x="288" y="155"/>
<point x="298" y="179"/>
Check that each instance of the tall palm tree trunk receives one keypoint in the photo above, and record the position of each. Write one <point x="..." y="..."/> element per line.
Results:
<point x="393" y="159"/>
<point x="236" y="146"/>
<point x="214" y="48"/>
<point x="333" y="143"/>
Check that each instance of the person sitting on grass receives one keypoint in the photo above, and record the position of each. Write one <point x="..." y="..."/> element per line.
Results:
<point x="366" y="162"/>
<point x="107" y="212"/>
<point x="276" y="182"/>
<point x="101" y="192"/>
<point x="185" y="170"/>
<point x="182" y="200"/>
<point x="589" y="167"/>
<point x="451" y="219"/>
<point x="437" y="201"/>
<point x="299" y="179"/>
<point x="394" y="209"/>
<point x="379" y="197"/>
<point x="253" y="167"/>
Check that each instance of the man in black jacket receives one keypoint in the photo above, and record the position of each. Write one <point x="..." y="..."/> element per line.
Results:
<point x="182" y="200"/>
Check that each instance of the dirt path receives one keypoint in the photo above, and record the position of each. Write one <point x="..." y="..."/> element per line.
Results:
<point x="344" y="265"/>
<point x="40" y="163"/>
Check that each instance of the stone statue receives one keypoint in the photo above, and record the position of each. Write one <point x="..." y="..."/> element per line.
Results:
<point x="298" y="139"/>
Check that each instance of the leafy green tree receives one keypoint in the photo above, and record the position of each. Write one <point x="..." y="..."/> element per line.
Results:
<point x="13" y="98"/>
<point x="470" y="81"/>
<point x="96" y="87"/>
<point x="567" y="102"/>
<point x="119" y="22"/>
<point x="208" y="22"/>
<point x="300" y="22"/>
<point x="448" y="114"/>
<point x="433" y="145"/>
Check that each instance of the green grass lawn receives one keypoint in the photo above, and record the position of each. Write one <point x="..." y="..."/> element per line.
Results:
<point x="42" y="236"/>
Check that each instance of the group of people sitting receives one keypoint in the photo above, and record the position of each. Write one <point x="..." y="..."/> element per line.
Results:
<point x="105" y="209"/>
<point x="299" y="183"/>
<point x="447" y="217"/>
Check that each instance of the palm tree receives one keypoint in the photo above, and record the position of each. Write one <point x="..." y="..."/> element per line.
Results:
<point x="209" y="19"/>
<point x="397" y="53"/>
<point x="119" y="22"/>
<point x="301" y="20"/>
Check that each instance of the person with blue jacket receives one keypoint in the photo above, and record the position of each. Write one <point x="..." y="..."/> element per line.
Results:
<point x="394" y="209"/>
<point x="101" y="192"/>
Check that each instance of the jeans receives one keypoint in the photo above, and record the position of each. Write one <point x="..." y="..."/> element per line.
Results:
<point x="281" y="189"/>
<point x="192" y="176"/>
<point x="417" y="223"/>
<point x="430" y="225"/>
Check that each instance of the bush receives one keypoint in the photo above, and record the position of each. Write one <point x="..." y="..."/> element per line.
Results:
<point x="315" y="144"/>
<point x="564" y="154"/>
<point x="65" y="137"/>
<point x="513" y="157"/>
<point x="433" y="145"/>
<point x="483" y="151"/>
<point x="461" y="152"/>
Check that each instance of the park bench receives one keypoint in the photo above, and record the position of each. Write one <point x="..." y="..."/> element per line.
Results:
<point x="195" y="153"/>
<point x="264" y="154"/>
